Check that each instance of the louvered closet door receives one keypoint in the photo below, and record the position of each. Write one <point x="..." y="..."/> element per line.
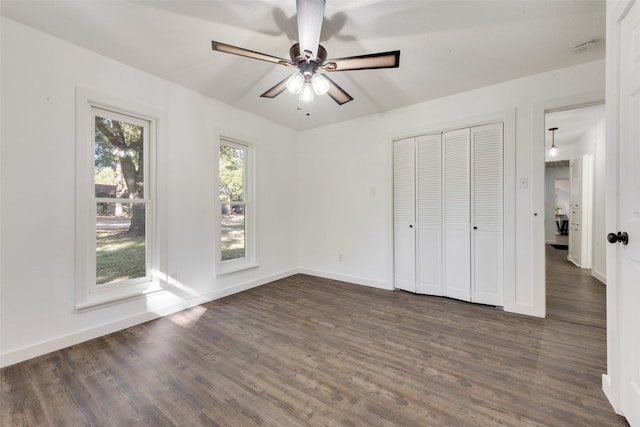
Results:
<point x="487" y="214"/>
<point x="429" y="214"/>
<point x="404" y="214"/>
<point x="456" y="214"/>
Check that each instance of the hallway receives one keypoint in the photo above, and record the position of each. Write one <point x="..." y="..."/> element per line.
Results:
<point x="573" y="295"/>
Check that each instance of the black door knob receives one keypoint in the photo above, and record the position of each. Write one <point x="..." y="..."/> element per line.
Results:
<point x="622" y="236"/>
<point x="475" y="228"/>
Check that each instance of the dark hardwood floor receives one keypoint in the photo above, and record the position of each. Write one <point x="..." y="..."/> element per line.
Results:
<point x="310" y="351"/>
<point x="572" y="294"/>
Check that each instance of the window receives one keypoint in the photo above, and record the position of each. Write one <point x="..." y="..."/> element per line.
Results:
<point x="120" y="148"/>
<point x="236" y="250"/>
<point x="114" y="204"/>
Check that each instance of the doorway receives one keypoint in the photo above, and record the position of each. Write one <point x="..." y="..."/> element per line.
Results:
<point x="575" y="210"/>
<point x="557" y="204"/>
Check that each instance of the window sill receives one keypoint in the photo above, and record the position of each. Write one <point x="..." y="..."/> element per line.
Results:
<point x="236" y="268"/>
<point x="95" y="301"/>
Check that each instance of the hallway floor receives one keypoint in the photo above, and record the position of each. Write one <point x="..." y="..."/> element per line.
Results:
<point x="573" y="295"/>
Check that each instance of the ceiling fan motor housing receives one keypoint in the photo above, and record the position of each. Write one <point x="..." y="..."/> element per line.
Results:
<point x="306" y="66"/>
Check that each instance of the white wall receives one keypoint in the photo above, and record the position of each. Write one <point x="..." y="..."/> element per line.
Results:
<point x="551" y="174"/>
<point x="345" y="179"/>
<point x="39" y="78"/>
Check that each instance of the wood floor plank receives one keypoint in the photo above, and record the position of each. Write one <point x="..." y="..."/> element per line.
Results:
<point x="312" y="351"/>
<point x="19" y="405"/>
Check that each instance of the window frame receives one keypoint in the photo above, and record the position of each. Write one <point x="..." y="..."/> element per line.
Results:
<point x="146" y="124"/>
<point x="90" y="295"/>
<point x="249" y="260"/>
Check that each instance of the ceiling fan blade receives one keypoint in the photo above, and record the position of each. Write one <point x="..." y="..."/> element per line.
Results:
<point x="337" y="93"/>
<point x="364" y="62"/>
<point x="276" y="90"/>
<point x="227" y="48"/>
<point x="310" y="16"/>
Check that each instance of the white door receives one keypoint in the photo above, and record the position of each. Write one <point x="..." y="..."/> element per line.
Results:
<point x="456" y="215"/>
<point x="628" y="257"/>
<point x="429" y="214"/>
<point x="486" y="214"/>
<point x="404" y="214"/>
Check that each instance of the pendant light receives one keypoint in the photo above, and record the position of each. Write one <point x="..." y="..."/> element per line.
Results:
<point x="553" y="150"/>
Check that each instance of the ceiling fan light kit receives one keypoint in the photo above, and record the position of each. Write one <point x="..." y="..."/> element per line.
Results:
<point x="320" y="84"/>
<point x="308" y="56"/>
<point x="295" y="83"/>
<point x="307" y="92"/>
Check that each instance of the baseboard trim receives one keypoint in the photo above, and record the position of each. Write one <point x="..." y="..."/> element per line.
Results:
<point x="608" y="392"/>
<point x="251" y="284"/>
<point x="606" y="385"/>
<point x="345" y="278"/>
<point x="570" y="259"/>
<point x="600" y="277"/>
<point x="58" y="343"/>
<point x="527" y="310"/>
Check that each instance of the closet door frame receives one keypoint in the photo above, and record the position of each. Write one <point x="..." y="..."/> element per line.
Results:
<point x="512" y="299"/>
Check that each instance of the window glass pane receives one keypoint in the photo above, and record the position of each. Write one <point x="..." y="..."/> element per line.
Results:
<point x="231" y="174"/>
<point x="120" y="242"/>
<point x="118" y="157"/>
<point x="233" y="232"/>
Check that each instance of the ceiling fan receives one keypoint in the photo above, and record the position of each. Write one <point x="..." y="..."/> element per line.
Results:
<point x="309" y="57"/>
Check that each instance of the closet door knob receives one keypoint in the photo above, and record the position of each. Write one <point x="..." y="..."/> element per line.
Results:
<point x="475" y="228"/>
<point x="410" y="226"/>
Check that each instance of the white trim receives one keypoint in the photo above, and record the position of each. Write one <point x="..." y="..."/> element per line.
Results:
<point x="599" y="276"/>
<point x="606" y="388"/>
<point x="249" y="261"/>
<point x="87" y="293"/>
<point x="47" y="346"/>
<point x="117" y="299"/>
<point x="235" y="266"/>
<point x="346" y="278"/>
<point x="537" y="189"/>
<point x="109" y="292"/>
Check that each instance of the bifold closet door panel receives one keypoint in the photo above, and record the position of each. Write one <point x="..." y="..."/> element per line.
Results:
<point x="404" y="214"/>
<point x="429" y="214"/>
<point x="456" y="212"/>
<point x="487" y="214"/>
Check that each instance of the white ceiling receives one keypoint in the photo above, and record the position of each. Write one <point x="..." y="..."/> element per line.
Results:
<point x="446" y="46"/>
<point x="572" y="123"/>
